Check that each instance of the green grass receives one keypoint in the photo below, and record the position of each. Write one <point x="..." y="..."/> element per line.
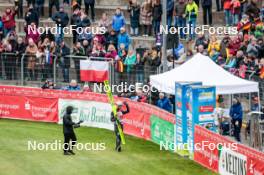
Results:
<point x="139" y="156"/>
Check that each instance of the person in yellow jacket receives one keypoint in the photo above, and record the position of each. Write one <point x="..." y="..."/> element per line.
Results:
<point x="191" y="13"/>
<point x="213" y="45"/>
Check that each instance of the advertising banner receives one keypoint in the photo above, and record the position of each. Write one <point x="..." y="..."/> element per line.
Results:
<point x="162" y="132"/>
<point x="201" y="105"/>
<point x="28" y="108"/>
<point x="224" y="156"/>
<point x="93" y="114"/>
<point x="181" y="100"/>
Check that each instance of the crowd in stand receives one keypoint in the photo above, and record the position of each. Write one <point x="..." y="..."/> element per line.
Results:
<point x="237" y="54"/>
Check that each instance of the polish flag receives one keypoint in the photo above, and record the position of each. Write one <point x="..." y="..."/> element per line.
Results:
<point x="93" y="71"/>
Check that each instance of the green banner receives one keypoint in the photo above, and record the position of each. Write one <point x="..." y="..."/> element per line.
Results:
<point x="162" y="133"/>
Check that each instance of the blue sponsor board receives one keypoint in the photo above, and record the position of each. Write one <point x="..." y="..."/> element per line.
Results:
<point x="181" y="100"/>
<point x="200" y="109"/>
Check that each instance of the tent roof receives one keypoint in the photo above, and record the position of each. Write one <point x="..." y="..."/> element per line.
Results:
<point x="202" y="69"/>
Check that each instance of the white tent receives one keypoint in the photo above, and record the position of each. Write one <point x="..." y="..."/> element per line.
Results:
<point x="202" y="69"/>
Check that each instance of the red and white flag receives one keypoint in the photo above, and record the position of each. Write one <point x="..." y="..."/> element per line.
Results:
<point x="94" y="71"/>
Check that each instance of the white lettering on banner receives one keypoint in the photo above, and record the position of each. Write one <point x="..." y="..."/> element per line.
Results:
<point x="8" y="106"/>
<point x="94" y="114"/>
<point x="232" y="163"/>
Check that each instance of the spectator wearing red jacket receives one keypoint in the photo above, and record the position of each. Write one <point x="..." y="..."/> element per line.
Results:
<point x="227" y="10"/>
<point x="8" y="20"/>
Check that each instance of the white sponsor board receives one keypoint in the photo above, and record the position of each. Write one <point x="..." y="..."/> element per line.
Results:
<point x="232" y="163"/>
<point x="94" y="114"/>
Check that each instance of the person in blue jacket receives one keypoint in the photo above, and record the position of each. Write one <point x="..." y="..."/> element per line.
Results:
<point x="73" y="86"/>
<point x="118" y="21"/>
<point x="164" y="103"/>
<point x="123" y="38"/>
<point x="236" y="114"/>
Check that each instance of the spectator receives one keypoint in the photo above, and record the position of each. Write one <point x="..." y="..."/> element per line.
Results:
<point x="118" y="21"/>
<point x="207" y="11"/>
<point x="231" y="64"/>
<point x="1" y="29"/>
<point x="213" y="45"/>
<point x="48" y="85"/>
<point x="139" y="97"/>
<point x="252" y="48"/>
<point x="140" y="68"/>
<point x="78" y="50"/>
<point x="112" y="39"/>
<point x="111" y="52"/>
<point x="20" y="50"/>
<point x="40" y="7"/>
<point x="201" y="40"/>
<point x="90" y="4"/>
<point x="33" y="34"/>
<point x="19" y="6"/>
<point x="201" y="50"/>
<point x="236" y="113"/>
<point x="244" y="25"/>
<point x="31" y="16"/>
<point x="261" y="69"/>
<point x="31" y="51"/>
<point x="8" y="20"/>
<point x="243" y="4"/>
<point x="164" y="103"/>
<point x="252" y="10"/>
<point x="123" y="38"/>
<point x="223" y="46"/>
<point x="85" y="21"/>
<point x="65" y="62"/>
<point x="157" y="13"/>
<point x="75" y="22"/>
<point x="129" y="62"/>
<point x="191" y="12"/>
<point x="145" y="17"/>
<point x="52" y="3"/>
<point x="219" y="5"/>
<point x="104" y="22"/>
<point x="73" y="86"/>
<point x="134" y="10"/>
<point x="170" y="9"/>
<point x="227" y="10"/>
<point x="61" y="18"/>
<point x="235" y="11"/>
<point x="180" y="18"/>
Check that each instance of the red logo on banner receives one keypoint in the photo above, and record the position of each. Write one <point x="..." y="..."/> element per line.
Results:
<point x="206" y="109"/>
